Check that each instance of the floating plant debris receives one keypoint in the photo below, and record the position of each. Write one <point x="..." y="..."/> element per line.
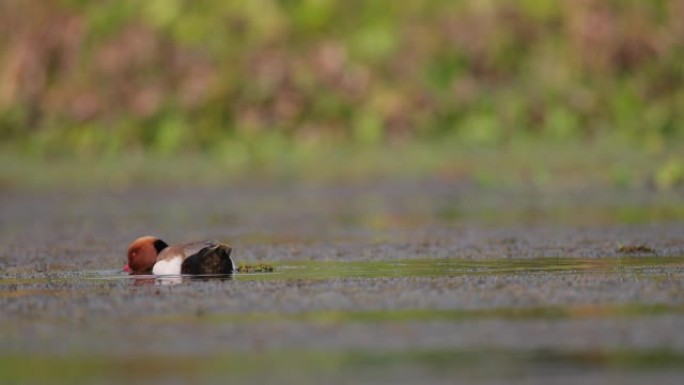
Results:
<point x="632" y="249"/>
<point x="255" y="268"/>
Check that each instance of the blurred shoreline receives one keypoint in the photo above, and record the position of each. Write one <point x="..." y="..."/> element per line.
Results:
<point x="546" y="166"/>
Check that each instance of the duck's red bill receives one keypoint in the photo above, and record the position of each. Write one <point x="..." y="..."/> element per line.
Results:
<point x="127" y="269"/>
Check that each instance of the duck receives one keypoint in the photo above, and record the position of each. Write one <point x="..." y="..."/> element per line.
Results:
<point x="150" y="254"/>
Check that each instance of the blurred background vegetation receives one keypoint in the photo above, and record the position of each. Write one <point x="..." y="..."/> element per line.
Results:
<point x="244" y="80"/>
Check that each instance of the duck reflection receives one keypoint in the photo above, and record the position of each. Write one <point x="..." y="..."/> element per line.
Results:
<point x="149" y="280"/>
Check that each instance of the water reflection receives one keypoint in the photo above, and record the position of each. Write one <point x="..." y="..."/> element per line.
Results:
<point x="430" y="267"/>
<point x="150" y="280"/>
<point x="458" y="266"/>
<point x="427" y="267"/>
<point x="144" y="280"/>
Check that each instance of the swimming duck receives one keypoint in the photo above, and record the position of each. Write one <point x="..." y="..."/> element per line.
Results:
<point x="150" y="254"/>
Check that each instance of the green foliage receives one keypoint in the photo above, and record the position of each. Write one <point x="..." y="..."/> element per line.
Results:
<point x="116" y="76"/>
<point x="670" y="174"/>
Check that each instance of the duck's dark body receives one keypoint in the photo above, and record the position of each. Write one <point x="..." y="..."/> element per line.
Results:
<point x="209" y="260"/>
<point x="205" y="257"/>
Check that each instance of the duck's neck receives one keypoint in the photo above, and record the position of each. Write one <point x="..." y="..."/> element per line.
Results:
<point x="160" y="245"/>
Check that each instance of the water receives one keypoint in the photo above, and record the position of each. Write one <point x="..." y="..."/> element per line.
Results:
<point x="377" y="284"/>
<point x="453" y="267"/>
<point x="377" y="321"/>
<point x="423" y="267"/>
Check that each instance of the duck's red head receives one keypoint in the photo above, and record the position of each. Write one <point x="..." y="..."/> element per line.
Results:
<point x="142" y="254"/>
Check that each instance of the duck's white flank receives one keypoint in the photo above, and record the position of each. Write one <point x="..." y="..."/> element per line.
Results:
<point x="168" y="267"/>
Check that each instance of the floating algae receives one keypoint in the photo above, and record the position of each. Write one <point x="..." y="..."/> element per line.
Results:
<point x="633" y="249"/>
<point x="255" y="268"/>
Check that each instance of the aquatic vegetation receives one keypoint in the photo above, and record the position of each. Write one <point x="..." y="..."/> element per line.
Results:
<point x="634" y="249"/>
<point x="255" y="268"/>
